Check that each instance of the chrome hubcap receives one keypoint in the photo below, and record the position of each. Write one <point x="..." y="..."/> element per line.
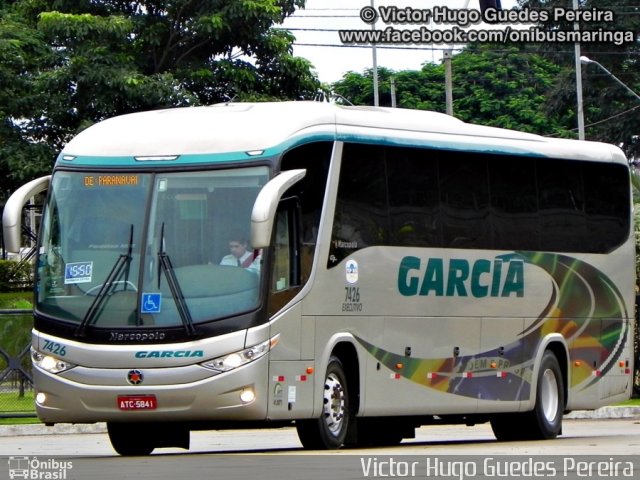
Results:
<point x="549" y="395"/>
<point x="334" y="404"/>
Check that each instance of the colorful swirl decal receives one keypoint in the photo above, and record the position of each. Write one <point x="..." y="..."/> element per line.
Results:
<point x="585" y="307"/>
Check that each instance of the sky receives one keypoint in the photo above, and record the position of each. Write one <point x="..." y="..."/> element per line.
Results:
<point x="315" y="28"/>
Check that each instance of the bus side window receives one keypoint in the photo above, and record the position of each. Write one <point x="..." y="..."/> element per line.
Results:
<point x="315" y="158"/>
<point x="285" y="274"/>
<point x="282" y="260"/>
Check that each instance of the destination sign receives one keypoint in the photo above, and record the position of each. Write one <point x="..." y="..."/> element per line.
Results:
<point x="117" y="180"/>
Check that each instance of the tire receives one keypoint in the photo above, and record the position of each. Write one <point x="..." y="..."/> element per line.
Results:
<point x="330" y="430"/>
<point x="546" y="417"/>
<point x="129" y="439"/>
<point x="508" y="427"/>
<point x="545" y="420"/>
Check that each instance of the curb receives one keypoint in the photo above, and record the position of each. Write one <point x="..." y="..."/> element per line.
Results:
<point x="605" y="413"/>
<point x="57" y="429"/>
<point x="98" y="428"/>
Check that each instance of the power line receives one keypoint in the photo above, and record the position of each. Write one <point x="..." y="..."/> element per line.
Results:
<point x="604" y="120"/>
<point x="386" y="47"/>
<point x="425" y="47"/>
<point x="613" y="117"/>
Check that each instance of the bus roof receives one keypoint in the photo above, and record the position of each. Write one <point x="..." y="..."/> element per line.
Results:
<point x="257" y="127"/>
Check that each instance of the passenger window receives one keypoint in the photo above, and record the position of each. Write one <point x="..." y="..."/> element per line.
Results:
<point x="561" y="204"/>
<point x="361" y="216"/>
<point x="606" y="206"/>
<point x="281" y="277"/>
<point x="464" y="197"/>
<point x="285" y="280"/>
<point x="514" y="204"/>
<point x="315" y="158"/>
<point x="421" y="197"/>
<point x="414" y="203"/>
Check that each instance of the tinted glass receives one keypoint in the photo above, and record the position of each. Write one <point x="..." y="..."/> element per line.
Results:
<point x="433" y="198"/>
<point x="464" y="198"/>
<point x="414" y="203"/>
<point x="361" y="216"/>
<point x="561" y="206"/>
<point x="514" y="203"/>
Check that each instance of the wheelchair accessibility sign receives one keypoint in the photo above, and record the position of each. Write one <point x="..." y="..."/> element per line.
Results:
<point x="151" y="303"/>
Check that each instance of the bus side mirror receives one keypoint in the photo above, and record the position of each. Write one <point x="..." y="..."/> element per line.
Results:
<point x="266" y="204"/>
<point x="12" y="215"/>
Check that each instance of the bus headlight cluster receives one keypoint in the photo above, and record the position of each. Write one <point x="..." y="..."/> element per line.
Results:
<point x="49" y="363"/>
<point x="242" y="357"/>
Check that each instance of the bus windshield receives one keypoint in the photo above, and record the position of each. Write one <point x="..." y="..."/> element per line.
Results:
<point x="149" y="249"/>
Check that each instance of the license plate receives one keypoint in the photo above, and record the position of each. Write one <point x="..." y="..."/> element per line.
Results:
<point x="137" y="402"/>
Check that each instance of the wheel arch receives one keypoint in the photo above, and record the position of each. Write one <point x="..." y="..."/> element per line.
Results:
<point x="348" y="355"/>
<point x="342" y="346"/>
<point x="556" y="344"/>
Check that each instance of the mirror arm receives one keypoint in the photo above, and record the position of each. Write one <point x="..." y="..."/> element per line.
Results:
<point x="264" y="208"/>
<point x="12" y="215"/>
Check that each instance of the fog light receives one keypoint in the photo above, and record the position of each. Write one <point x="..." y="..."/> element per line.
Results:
<point x="41" y="398"/>
<point x="247" y="396"/>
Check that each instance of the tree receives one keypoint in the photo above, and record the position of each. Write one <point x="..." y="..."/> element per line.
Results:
<point x="496" y="87"/>
<point x="88" y="60"/>
<point x="358" y="88"/>
<point x="611" y="113"/>
<point x="504" y="88"/>
<point x="23" y="52"/>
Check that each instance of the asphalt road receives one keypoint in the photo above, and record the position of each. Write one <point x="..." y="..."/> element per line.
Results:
<point x="610" y="445"/>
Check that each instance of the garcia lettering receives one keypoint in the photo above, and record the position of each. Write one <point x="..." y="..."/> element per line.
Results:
<point x="502" y="277"/>
<point x="169" y="354"/>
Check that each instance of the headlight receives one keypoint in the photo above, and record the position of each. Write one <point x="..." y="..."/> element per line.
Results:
<point x="237" y="359"/>
<point x="49" y="363"/>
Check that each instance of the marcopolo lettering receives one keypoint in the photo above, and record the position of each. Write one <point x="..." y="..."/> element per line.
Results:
<point x="502" y="277"/>
<point x="169" y="354"/>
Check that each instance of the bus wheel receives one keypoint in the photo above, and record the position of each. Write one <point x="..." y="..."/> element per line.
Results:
<point x="508" y="427"/>
<point x="545" y="420"/>
<point x="129" y="439"/>
<point x="330" y="430"/>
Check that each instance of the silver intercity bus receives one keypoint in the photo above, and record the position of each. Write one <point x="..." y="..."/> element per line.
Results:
<point x="399" y="268"/>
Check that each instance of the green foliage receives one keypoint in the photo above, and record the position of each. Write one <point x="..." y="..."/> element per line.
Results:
<point x="610" y="111"/>
<point x="503" y="88"/>
<point x="18" y="300"/>
<point x="500" y="88"/>
<point x="15" y="275"/>
<point x="70" y="63"/>
<point x="15" y="402"/>
<point x="15" y="334"/>
<point x="24" y="148"/>
<point x="15" y="338"/>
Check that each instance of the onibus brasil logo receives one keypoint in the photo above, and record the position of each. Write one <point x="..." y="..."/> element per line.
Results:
<point x="35" y="469"/>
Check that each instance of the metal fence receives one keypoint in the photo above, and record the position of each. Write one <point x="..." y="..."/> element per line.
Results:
<point x="16" y="385"/>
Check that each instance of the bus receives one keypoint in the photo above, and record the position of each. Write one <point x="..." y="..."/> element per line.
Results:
<point x="407" y="269"/>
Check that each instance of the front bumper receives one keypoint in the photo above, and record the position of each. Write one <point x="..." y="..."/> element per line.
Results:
<point x="189" y="393"/>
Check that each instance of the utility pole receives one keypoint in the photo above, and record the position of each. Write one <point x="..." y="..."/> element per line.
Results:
<point x="448" y="81"/>
<point x="376" y="95"/>
<point x="393" y="93"/>
<point x="578" y="68"/>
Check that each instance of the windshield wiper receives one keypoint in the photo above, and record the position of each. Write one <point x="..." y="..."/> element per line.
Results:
<point x="121" y="264"/>
<point x="174" y="286"/>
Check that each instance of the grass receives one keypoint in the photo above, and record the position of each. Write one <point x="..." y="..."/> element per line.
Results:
<point x="12" y="403"/>
<point x="633" y="402"/>
<point x="19" y="421"/>
<point x="16" y="300"/>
